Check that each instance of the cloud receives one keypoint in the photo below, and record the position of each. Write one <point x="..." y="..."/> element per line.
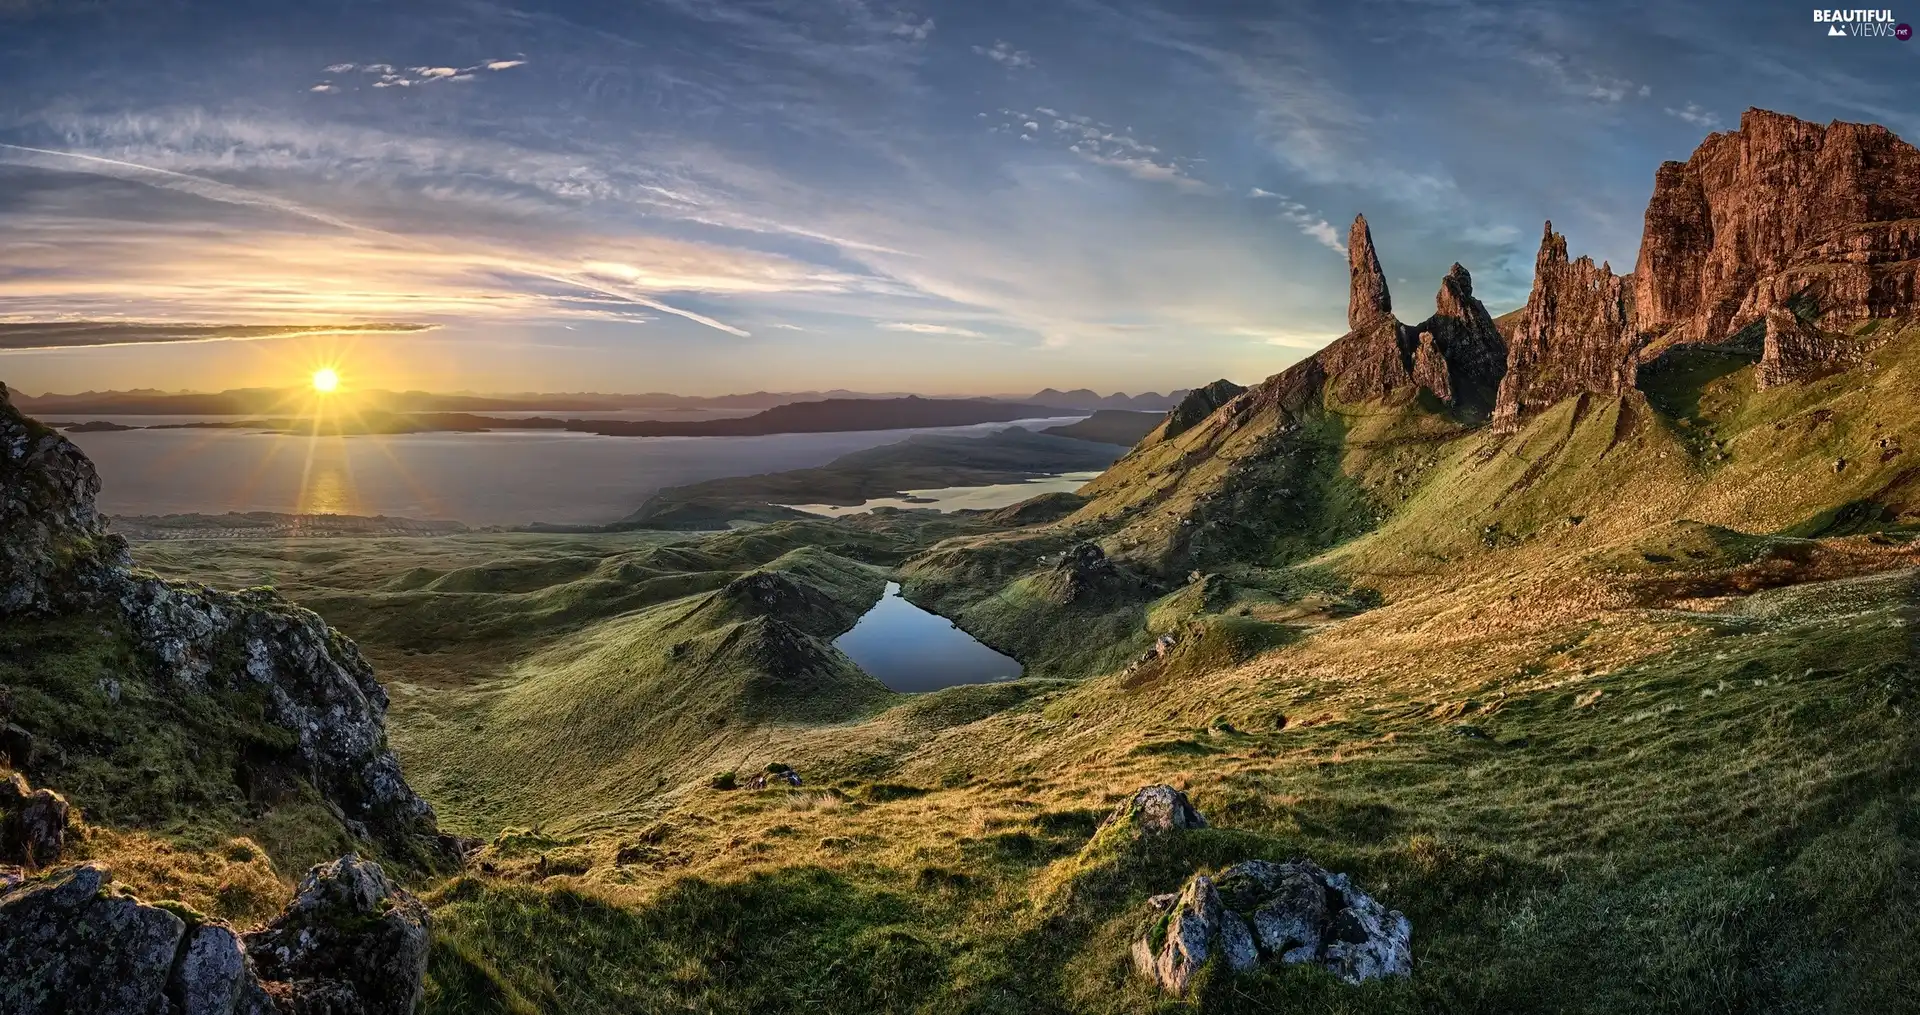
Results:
<point x="920" y="328"/>
<point x="1104" y="144"/>
<point x="17" y="335"/>
<point x="389" y="76"/>
<point x="1003" y="53"/>
<point x="1286" y="338"/>
<point x="1581" y="81"/>
<point x="1311" y="225"/>
<point x="916" y="32"/>
<point x="1692" y="113"/>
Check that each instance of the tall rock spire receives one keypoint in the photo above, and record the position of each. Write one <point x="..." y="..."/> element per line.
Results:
<point x="1578" y="336"/>
<point x="1367" y="299"/>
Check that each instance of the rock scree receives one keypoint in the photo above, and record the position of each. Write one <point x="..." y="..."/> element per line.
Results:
<point x="1259" y="912"/>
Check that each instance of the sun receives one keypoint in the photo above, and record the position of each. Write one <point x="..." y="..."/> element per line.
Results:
<point x="326" y="380"/>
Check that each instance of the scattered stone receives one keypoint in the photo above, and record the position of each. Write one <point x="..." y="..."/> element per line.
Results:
<point x="1153" y="810"/>
<point x="1281" y="913"/>
<point x="33" y="823"/>
<point x="351" y="943"/>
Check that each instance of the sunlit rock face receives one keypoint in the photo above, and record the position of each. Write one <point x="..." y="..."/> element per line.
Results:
<point x="1577" y="336"/>
<point x="1779" y="207"/>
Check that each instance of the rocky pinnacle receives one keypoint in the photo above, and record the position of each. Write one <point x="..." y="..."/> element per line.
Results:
<point x="1368" y="301"/>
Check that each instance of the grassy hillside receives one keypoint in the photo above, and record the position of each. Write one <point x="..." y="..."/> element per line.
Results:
<point x="1618" y="709"/>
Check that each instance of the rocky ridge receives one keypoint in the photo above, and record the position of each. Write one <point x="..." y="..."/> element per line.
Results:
<point x="1456" y="354"/>
<point x="57" y="554"/>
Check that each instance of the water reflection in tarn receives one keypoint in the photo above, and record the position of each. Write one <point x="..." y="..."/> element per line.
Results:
<point x="909" y="649"/>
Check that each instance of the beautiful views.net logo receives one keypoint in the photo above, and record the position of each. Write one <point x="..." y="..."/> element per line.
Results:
<point x="1862" y="24"/>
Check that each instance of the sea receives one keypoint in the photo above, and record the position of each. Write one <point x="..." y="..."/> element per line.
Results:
<point x="504" y="477"/>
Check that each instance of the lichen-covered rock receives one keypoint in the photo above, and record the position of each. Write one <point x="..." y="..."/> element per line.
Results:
<point x="56" y="554"/>
<point x="1192" y="927"/>
<point x="313" y="683"/>
<point x="1281" y="913"/>
<point x="351" y="943"/>
<point x="33" y="823"/>
<point x="213" y="977"/>
<point x="1153" y="810"/>
<point x="68" y="945"/>
<point x="55" y="549"/>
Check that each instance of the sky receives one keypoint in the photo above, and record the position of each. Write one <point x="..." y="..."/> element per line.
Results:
<point x="706" y="196"/>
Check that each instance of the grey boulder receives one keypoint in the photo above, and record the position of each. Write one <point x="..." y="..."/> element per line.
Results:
<point x="1283" y="913"/>
<point x="1154" y="810"/>
<point x="351" y="943"/>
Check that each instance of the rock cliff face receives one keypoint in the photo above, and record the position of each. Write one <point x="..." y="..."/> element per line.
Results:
<point x="57" y="554"/>
<point x="1796" y="230"/>
<point x="55" y="549"/>
<point x="1577" y="336"/>
<point x="1778" y="207"/>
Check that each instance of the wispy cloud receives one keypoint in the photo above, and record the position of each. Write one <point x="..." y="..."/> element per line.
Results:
<point x="385" y="75"/>
<point x="22" y="335"/>
<point x="1584" y="82"/>
<point x="1694" y="114"/>
<point x="1003" y="53"/>
<point x="922" y="328"/>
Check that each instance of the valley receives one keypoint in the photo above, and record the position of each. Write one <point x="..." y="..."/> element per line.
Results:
<point x="1581" y="637"/>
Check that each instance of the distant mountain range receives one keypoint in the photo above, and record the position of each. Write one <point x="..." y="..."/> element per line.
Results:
<point x="830" y="415"/>
<point x="1086" y="398"/>
<point x="268" y="401"/>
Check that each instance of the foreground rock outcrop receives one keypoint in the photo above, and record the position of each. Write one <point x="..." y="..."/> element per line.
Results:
<point x="57" y="554"/>
<point x="55" y="548"/>
<point x="351" y="943"/>
<point x="33" y="823"/>
<point x="1278" y="913"/>
<point x="1153" y="810"/>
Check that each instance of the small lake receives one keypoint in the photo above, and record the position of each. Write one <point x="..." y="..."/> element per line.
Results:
<point x="958" y="498"/>
<point x="909" y="649"/>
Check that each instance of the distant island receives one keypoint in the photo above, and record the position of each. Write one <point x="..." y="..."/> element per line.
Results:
<point x="924" y="461"/>
<point x="832" y="415"/>
<point x="1111" y="426"/>
<point x="270" y="402"/>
